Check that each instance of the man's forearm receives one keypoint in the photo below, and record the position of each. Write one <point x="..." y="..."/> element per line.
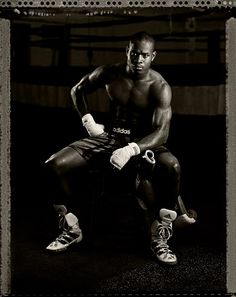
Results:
<point x="153" y="140"/>
<point x="122" y="155"/>
<point x="80" y="100"/>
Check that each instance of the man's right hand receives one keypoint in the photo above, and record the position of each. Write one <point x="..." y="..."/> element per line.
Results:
<point x="91" y="126"/>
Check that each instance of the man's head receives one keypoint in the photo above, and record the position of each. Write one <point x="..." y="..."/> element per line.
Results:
<point x="140" y="53"/>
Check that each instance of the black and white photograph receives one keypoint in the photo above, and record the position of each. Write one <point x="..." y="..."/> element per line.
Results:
<point x="118" y="148"/>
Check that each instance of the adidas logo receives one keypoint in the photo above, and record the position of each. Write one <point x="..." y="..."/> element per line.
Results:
<point x="168" y="216"/>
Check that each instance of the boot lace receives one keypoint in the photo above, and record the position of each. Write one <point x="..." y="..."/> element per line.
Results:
<point x="64" y="236"/>
<point x="62" y="224"/>
<point x="162" y="234"/>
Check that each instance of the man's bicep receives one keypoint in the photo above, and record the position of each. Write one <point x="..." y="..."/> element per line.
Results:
<point x="91" y="81"/>
<point x="81" y="84"/>
<point x="98" y="78"/>
<point x="163" y="112"/>
<point x="162" y="117"/>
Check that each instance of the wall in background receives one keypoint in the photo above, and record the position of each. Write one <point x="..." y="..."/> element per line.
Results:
<point x="50" y="55"/>
<point x="198" y="100"/>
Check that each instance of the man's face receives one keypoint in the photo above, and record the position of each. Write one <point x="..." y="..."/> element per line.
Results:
<point x="140" y="55"/>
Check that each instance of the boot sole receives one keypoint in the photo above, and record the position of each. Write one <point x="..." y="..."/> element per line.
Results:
<point x="163" y="262"/>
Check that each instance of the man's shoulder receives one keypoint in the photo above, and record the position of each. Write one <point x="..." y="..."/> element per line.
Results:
<point x="160" y="89"/>
<point x="157" y="79"/>
<point x="118" y="67"/>
<point x="156" y="76"/>
<point x="104" y="74"/>
<point x="109" y="71"/>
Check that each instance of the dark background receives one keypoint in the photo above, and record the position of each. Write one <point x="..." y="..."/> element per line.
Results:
<point x="113" y="256"/>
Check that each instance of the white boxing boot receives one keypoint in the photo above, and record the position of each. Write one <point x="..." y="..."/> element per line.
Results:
<point x="71" y="232"/>
<point x="185" y="217"/>
<point x="161" y="232"/>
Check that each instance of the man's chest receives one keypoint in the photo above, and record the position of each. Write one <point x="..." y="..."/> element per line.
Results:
<point x="127" y="92"/>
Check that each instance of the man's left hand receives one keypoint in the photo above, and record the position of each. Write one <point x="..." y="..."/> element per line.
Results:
<point x="122" y="155"/>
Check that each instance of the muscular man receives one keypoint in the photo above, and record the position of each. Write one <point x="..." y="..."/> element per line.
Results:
<point x="141" y="113"/>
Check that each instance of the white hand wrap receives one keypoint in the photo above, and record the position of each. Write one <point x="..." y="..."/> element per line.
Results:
<point x="91" y="126"/>
<point x="122" y="155"/>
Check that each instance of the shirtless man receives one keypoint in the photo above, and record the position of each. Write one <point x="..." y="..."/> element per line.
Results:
<point x="141" y="113"/>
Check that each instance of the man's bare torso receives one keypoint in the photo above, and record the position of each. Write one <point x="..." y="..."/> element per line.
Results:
<point x="134" y="92"/>
<point x="134" y="99"/>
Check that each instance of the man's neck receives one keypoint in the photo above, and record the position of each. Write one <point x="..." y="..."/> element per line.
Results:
<point x="136" y="76"/>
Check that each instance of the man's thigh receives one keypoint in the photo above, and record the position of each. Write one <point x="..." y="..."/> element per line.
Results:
<point x="96" y="150"/>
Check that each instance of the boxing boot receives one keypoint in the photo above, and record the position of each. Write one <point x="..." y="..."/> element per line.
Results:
<point x="70" y="230"/>
<point x="160" y="234"/>
<point x="184" y="216"/>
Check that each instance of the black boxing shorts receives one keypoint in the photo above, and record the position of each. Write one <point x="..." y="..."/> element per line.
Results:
<point x="93" y="145"/>
<point x="104" y="144"/>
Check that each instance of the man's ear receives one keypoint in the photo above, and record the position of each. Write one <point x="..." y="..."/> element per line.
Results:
<point x="154" y="55"/>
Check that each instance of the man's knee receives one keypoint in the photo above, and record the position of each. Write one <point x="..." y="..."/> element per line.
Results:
<point x="174" y="167"/>
<point x="171" y="165"/>
<point x="64" y="161"/>
<point x="55" y="164"/>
